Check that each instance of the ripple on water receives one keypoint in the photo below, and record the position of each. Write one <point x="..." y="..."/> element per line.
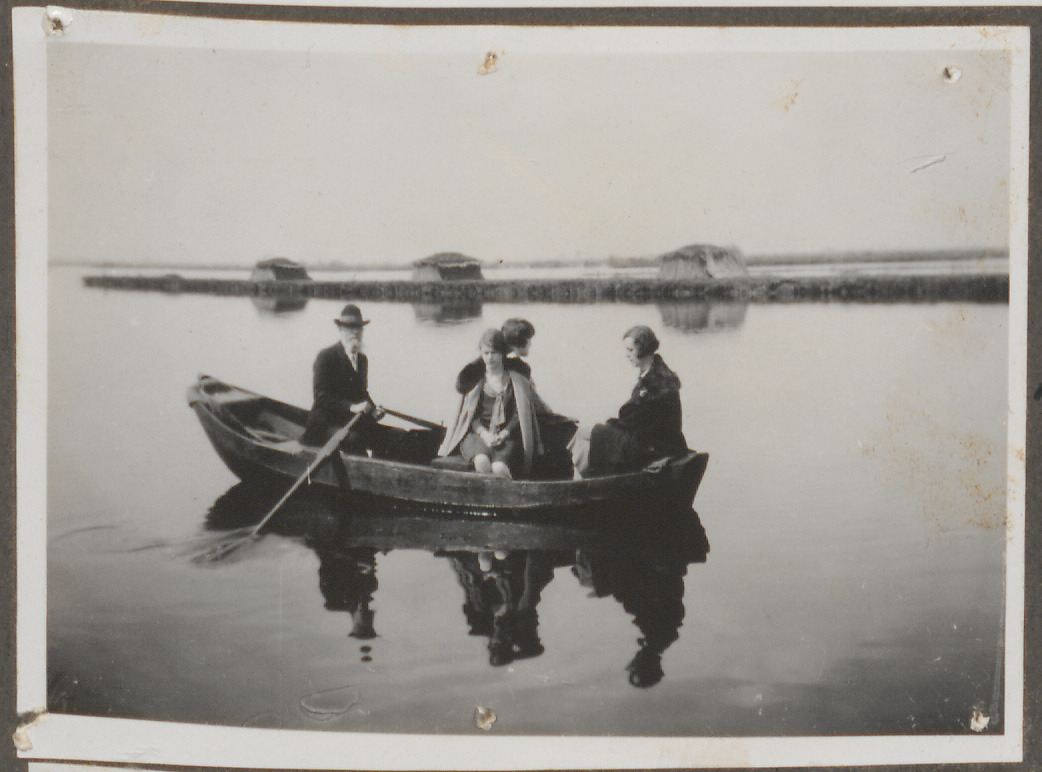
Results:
<point x="268" y="719"/>
<point x="78" y="532"/>
<point x="328" y="703"/>
<point x="108" y="539"/>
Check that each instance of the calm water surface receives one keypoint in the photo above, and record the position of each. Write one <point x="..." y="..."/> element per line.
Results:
<point x="853" y="505"/>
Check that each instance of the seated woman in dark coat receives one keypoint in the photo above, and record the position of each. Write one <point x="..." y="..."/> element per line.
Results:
<point x="649" y="424"/>
<point x="495" y="427"/>
<point x="518" y="334"/>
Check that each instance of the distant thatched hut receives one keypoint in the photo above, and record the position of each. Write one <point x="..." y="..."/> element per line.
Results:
<point x="279" y="269"/>
<point x="447" y="266"/>
<point x="702" y="261"/>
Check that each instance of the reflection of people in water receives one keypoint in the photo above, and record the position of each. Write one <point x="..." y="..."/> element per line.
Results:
<point x="502" y="590"/>
<point x="641" y="562"/>
<point x="347" y="579"/>
<point x="645" y="574"/>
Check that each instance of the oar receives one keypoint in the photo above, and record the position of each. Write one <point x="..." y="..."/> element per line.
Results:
<point x="418" y="421"/>
<point x="324" y="453"/>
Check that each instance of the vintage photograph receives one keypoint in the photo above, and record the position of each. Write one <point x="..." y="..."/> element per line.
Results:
<point x="448" y="383"/>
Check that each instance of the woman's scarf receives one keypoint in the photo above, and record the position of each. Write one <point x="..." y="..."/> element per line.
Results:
<point x="499" y="413"/>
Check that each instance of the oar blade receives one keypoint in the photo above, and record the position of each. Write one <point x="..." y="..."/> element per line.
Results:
<point x="227" y="547"/>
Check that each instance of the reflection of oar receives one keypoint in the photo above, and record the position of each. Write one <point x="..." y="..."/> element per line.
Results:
<point x="230" y="545"/>
<point x="418" y="421"/>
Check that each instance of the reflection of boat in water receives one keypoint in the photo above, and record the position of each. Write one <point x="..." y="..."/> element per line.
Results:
<point x="318" y="515"/>
<point x="703" y="315"/>
<point x="256" y="438"/>
<point x="348" y="547"/>
<point x="449" y="312"/>
<point x="502" y="567"/>
<point x="279" y="304"/>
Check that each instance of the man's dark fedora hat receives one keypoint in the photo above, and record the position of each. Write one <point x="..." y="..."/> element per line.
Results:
<point x="351" y="316"/>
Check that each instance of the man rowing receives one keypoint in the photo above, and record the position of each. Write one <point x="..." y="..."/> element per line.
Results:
<point x="341" y="389"/>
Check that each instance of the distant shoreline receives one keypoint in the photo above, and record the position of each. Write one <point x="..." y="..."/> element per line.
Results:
<point x="767" y="288"/>
<point x="817" y="258"/>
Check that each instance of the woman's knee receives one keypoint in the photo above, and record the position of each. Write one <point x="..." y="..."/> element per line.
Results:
<point x="482" y="464"/>
<point x="499" y="469"/>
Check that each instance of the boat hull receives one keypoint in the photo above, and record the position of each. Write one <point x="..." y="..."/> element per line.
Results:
<point x="239" y="426"/>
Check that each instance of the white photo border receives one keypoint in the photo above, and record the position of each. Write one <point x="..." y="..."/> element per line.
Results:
<point x="67" y="737"/>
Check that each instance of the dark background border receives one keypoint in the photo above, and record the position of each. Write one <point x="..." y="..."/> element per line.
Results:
<point x="688" y="16"/>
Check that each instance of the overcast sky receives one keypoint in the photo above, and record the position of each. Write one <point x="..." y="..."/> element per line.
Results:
<point x="190" y="155"/>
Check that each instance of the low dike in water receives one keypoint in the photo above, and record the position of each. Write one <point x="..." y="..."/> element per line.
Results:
<point x="982" y="288"/>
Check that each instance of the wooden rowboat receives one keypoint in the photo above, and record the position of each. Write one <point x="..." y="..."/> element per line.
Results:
<point x="256" y="437"/>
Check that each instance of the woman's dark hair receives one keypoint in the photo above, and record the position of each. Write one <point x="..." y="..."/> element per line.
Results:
<point x="494" y="340"/>
<point x="517" y="332"/>
<point x="644" y="339"/>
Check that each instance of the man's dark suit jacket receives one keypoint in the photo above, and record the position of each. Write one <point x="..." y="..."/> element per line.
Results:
<point x="337" y="387"/>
